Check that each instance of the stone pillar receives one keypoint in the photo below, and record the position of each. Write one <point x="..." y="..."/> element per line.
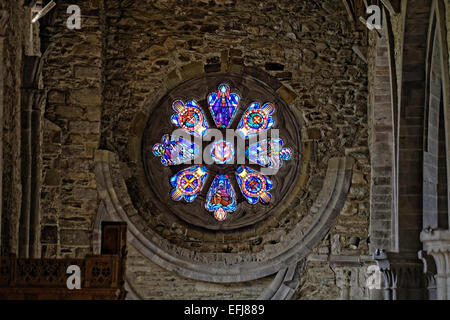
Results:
<point x="429" y="270"/>
<point x="437" y="244"/>
<point x="403" y="275"/>
<point x="3" y="24"/>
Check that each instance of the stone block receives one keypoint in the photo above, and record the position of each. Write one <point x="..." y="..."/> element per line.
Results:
<point x="71" y="237"/>
<point x="86" y="97"/>
<point x="84" y="127"/>
<point x="381" y="215"/>
<point x="286" y="94"/>
<point x="85" y="194"/>
<point x="94" y="113"/>
<point x="56" y="96"/>
<point x="235" y="53"/>
<point x="69" y="112"/>
<point x="314" y="133"/>
<point x="215" y="67"/>
<point x="49" y="235"/>
<point x="87" y="72"/>
<point x="192" y="70"/>
<point x="52" y="177"/>
<point x="224" y="60"/>
<point x="235" y="68"/>
<point x="172" y="80"/>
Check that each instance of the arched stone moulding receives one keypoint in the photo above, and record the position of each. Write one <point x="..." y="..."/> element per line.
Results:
<point x="285" y="283"/>
<point x="226" y="267"/>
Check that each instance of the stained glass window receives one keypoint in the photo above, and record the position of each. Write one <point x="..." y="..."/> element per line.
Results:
<point x="175" y="152"/>
<point x="254" y="186"/>
<point x="223" y="106"/>
<point x="268" y="153"/>
<point x="256" y="120"/>
<point x="188" y="183"/>
<point x="222" y="152"/>
<point x="221" y="199"/>
<point x="189" y="117"/>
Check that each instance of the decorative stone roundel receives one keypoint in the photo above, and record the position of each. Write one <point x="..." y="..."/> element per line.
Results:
<point x="222" y="195"/>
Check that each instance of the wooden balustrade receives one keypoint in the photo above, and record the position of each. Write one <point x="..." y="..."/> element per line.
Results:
<point x="102" y="276"/>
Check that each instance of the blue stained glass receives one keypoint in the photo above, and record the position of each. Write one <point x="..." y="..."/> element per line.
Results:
<point x="223" y="106"/>
<point x="189" y="117"/>
<point x="254" y="186"/>
<point x="268" y="153"/>
<point x="175" y="152"/>
<point x="256" y="119"/>
<point x="221" y="198"/>
<point x="188" y="183"/>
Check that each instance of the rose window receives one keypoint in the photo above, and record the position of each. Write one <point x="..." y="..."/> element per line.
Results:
<point x="216" y="180"/>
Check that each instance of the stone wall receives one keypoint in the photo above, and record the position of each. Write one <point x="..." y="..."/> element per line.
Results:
<point x="306" y="46"/>
<point x="73" y="78"/>
<point x="150" y="281"/>
<point x="100" y="77"/>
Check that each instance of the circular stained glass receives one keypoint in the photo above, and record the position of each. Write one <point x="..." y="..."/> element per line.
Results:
<point x="222" y="191"/>
<point x="254" y="120"/>
<point x="189" y="183"/>
<point x="190" y="119"/>
<point x="222" y="152"/>
<point x="254" y="184"/>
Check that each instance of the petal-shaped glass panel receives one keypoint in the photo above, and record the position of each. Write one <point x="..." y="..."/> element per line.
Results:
<point x="256" y="120"/>
<point x="254" y="186"/>
<point x="268" y="153"/>
<point x="188" y="183"/>
<point x="189" y="117"/>
<point x="175" y="152"/>
<point x="223" y="106"/>
<point x="221" y="198"/>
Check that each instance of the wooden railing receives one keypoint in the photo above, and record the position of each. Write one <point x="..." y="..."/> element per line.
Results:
<point x="102" y="276"/>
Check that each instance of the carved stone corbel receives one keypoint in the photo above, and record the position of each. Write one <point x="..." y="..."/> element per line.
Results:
<point x="437" y="245"/>
<point x="403" y="275"/>
<point x="429" y="270"/>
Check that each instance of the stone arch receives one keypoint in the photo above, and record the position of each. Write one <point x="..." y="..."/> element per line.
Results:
<point x="383" y="117"/>
<point x="435" y="193"/>
<point x="411" y="126"/>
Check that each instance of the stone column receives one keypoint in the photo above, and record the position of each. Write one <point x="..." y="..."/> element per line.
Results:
<point x="3" y="24"/>
<point x="403" y="275"/>
<point x="429" y="270"/>
<point x="437" y="244"/>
